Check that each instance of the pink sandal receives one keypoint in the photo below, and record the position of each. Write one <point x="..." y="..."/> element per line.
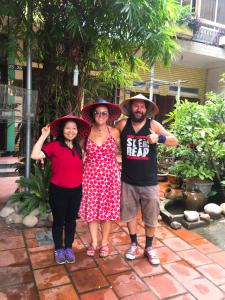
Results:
<point x="91" y="250"/>
<point x="104" y="251"/>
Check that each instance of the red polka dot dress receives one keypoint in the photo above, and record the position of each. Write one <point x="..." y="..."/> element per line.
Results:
<point x="101" y="183"/>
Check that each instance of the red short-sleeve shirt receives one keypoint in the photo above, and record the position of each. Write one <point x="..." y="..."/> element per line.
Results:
<point x="66" y="167"/>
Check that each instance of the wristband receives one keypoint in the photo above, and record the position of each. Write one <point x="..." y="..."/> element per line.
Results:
<point x="162" y="139"/>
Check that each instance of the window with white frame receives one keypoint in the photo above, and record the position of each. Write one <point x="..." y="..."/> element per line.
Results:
<point x="213" y="10"/>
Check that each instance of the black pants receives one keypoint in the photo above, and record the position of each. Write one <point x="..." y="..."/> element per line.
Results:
<point x="65" y="204"/>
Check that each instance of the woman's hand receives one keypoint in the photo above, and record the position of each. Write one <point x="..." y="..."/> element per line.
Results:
<point x="45" y="131"/>
<point x="36" y="153"/>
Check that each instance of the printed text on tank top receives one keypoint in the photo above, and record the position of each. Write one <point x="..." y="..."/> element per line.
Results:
<point x="137" y="145"/>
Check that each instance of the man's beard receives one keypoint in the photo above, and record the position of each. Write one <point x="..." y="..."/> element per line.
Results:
<point x="137" y="120"/>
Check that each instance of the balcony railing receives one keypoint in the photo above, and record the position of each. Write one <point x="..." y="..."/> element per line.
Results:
<point x="206" y="35"/>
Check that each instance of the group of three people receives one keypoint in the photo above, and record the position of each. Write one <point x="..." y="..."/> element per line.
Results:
<point x="96" y="190"/>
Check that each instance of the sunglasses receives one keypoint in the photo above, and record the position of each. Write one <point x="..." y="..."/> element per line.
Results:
<point x="101" y="113"/>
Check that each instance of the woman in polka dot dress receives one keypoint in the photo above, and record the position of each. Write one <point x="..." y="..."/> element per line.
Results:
<point x="101" y="178"/>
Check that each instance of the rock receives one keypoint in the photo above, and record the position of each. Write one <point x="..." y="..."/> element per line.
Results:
<point x="6" y="211"/>
<point x="213" y="210"/>
<point x="205" y="217"/>
<point x="14" y="219"/>
<point x="30" y="221"/>
<point x="222" y="205"/>
<point x="13" y="204"/>
<point x="34" y="212"/>
<point x="16" y="206"/>
<point x="50" y="217"/>
<point x="175" y="225"/>
<point x="191" y="215"/>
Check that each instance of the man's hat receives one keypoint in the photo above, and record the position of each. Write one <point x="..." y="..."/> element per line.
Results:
<point x="82" y="126"/>
<point x="114" y="110"/>
<point x="152" y="108"/>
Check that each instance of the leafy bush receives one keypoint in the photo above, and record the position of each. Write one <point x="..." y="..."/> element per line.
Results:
<point x="200" y="130"/>
<point x="34" y="191"/>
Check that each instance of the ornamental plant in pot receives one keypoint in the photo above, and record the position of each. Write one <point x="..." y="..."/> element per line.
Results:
<point x="165" y="159"/>
<point x="200" y="129"/>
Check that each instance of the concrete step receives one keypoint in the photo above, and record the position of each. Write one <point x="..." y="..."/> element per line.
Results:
<point x="7" y="172"/>
<point x="8" y="167"/>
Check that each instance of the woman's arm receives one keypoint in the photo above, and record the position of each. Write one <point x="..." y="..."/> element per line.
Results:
<point x="36" y="153"/>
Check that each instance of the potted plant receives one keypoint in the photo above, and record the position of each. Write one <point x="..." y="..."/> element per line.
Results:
<point x="164" y="160"/>
<point x="200" y="129"/>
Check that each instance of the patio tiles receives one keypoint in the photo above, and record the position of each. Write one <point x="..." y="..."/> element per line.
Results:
<point x="186" y="235"/>
<point x="116" y="228"/>
<point x="112" y="264"/>
<point x="81" y="226"/>
<point x="30" y="233"/>
<point x="13" y="257"/>
<point x="143" y="268"/>
<point x="82" y="262"/>
<point x="204" y="246"/>
<point x="6" y="232"/>
<point x="8" y="186"/>
<point x="19" y="292"/>
<point x="141" y="296"/>
<point x="127" y="283"/>
<point x="163" y="233"/>
<point x="166" y="255"/>
<point x="33" y="246"/>
<point x="194" y="257"/>
<point x="191" y="267"/>
<point x="15" y="275"/>
<point x="78" y="246"/>
<point x="103" y="294"/>
<point x="112" y="250"/>
<point x="214" y="273"/>
<point x="184" y="297"/>
<point x="203" y="289"/>
<point x="50" y="277"/>
<point x="182" y="271"/>
<point x="164" y="286"/>
<point x="87" y="280"/>
<point x="223" y="288"/>
<point x="176" y="244"/>
<point x="42" y="259"/>
<point x="218" y="257"/>
<point x="85" y="238"/>
<point x="60" y="293"/>
<point x="119" y="238"/>
<point x="12" y="242"/>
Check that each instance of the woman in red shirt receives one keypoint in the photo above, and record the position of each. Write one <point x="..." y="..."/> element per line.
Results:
<point x="66" y="181"/>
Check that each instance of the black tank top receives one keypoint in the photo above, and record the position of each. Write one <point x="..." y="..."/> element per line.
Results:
<point x="139" y="158"/>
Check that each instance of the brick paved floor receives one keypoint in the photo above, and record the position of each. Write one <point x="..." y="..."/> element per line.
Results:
<point x="191" y="267"/>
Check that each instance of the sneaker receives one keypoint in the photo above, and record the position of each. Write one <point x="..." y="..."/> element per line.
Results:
<point x="152" y="256"/>
<point x="132" y="251"/>
<point x="69" y="255"/>
<point x="60" y="256"/>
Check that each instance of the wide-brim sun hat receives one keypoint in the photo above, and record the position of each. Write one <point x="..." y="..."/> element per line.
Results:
<point x="152" y="108"/>
<point x="82" y="126"/>
<point x="114" y="110"/>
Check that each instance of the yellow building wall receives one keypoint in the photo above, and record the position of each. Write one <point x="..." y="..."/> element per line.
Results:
<point x="196" y="78"/>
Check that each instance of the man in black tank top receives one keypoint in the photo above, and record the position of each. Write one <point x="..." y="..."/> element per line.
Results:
<point x="139" y="137"/>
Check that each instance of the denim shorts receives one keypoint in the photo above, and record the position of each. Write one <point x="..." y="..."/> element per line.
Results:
<point x="135" y="197"/>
